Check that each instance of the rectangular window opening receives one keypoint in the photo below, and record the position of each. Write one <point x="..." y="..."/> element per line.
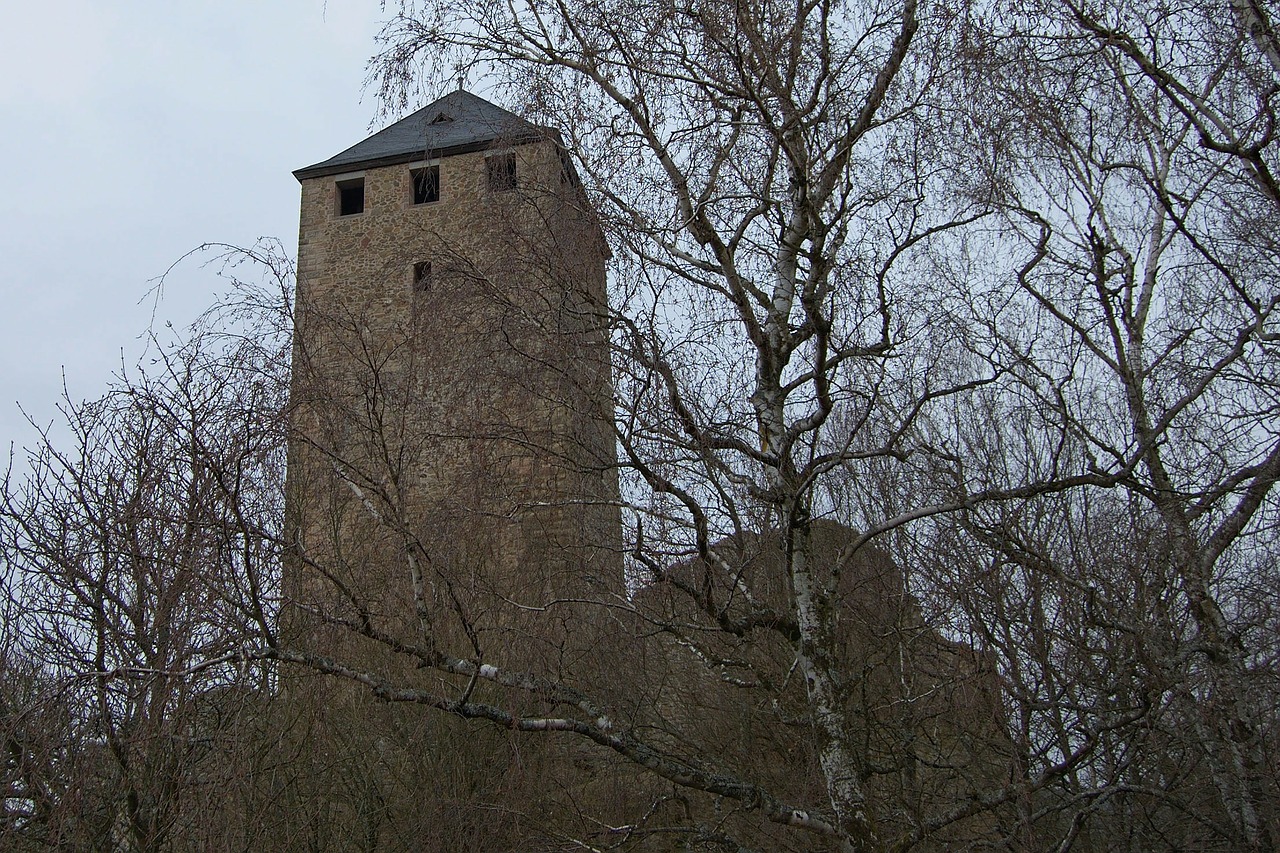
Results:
<point x="351" y="197"/>
<point x="422" y="276"/>
<point x="426" y="184"/>
<point x="502" y="171"/>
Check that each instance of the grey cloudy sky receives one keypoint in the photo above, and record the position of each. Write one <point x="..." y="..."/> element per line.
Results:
<point x="132" y="131"/>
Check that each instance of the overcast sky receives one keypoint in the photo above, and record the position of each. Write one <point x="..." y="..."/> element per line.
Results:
<point x="132" y="131"/>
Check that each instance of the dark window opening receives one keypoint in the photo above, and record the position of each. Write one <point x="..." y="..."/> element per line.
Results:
<point x="426" y="184"/>
<point x="568" y="175"/>
<point x="422" y="276"/>
<point x="351" y="197"/>
<point x="441" y="118"/>
<point x="502" y="171"/>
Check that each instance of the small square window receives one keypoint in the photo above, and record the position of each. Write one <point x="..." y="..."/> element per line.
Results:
<point x="351" y="197"/>
<point x="426" y="184"/>
<point x="502" y="171"/>
<point x="422" y="277"/>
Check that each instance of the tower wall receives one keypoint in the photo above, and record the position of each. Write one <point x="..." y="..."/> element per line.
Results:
<point x="452" y="466"/>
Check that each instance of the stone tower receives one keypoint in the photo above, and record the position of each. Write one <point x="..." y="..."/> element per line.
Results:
<point x="452" y="465"/>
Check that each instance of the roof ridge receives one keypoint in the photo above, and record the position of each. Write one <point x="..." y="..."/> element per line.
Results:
<point x="474" y="124"/>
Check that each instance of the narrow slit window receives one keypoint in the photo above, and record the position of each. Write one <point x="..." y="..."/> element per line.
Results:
<point x="351" y="197"/>
<point x="502" y="171"/>
<point x="426" y="184"/>
<point x="422" y="277"/>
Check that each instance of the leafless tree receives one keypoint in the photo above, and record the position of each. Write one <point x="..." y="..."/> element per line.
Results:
<point x="1138" y="328"/>
<point x="141" y="546"/>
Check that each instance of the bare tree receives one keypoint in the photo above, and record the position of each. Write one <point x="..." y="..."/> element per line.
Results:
<point x="143" y="554"/>
<point x="1137" y="181"/>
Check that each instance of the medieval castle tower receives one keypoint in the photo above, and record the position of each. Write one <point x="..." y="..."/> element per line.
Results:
<point x="452" y="458"/>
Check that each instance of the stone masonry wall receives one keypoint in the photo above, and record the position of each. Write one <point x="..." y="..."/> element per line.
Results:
<point x="461" y="427"/>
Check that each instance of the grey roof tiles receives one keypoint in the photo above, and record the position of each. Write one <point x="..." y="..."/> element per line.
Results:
<point x="458" y="122"/>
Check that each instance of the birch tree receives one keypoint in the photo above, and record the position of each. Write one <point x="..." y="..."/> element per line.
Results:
<point x="1134" y="182"/>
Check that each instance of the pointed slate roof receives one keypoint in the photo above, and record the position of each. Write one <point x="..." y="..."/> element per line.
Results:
<point x="457" y="123"/>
